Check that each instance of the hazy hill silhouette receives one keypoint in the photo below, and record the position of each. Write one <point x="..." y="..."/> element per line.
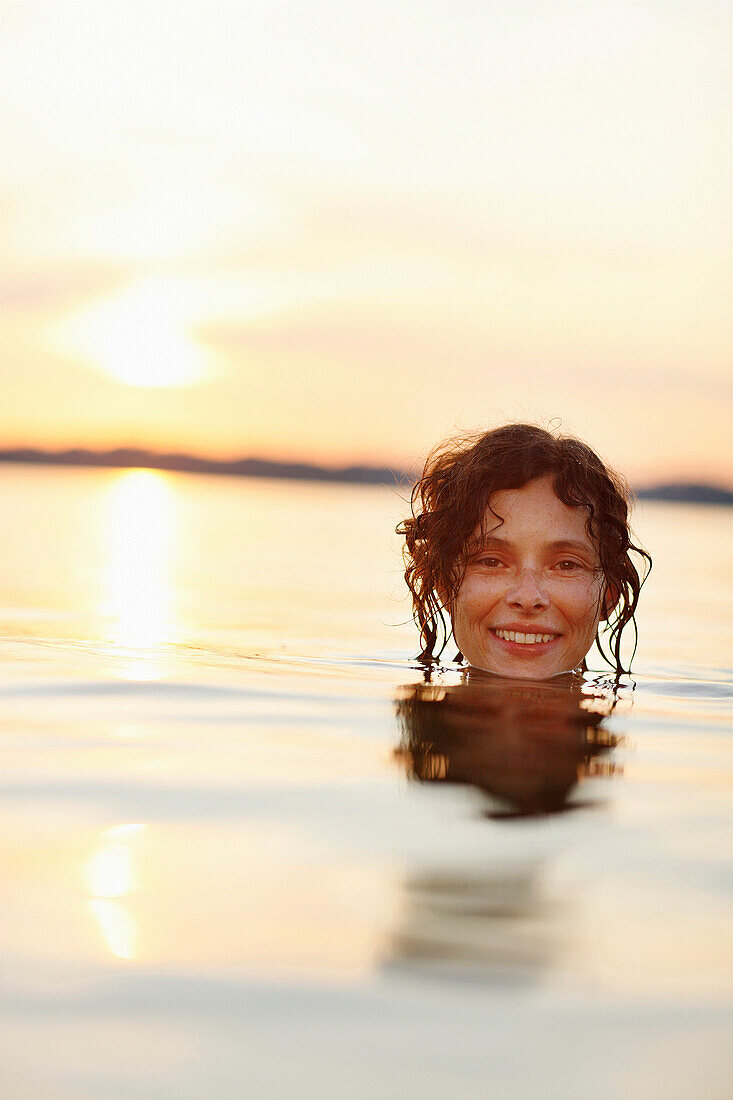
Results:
<point x="139" y="458"/>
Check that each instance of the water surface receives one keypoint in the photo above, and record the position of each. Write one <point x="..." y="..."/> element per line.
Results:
<point x="249" y="852"/>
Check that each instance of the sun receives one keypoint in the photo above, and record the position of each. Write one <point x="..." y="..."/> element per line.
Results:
<point x="140" y="337"/>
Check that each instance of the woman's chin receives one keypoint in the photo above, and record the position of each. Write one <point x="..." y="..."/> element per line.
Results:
<point x="520" y="670"/>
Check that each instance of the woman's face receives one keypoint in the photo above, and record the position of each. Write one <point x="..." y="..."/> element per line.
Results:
<point x="532" y="595"/>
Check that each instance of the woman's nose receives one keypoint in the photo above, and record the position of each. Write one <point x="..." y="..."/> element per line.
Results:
<point x="528" y="593"/>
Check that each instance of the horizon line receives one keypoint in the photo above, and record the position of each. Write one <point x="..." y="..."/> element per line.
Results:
<point x="679" y="490"/>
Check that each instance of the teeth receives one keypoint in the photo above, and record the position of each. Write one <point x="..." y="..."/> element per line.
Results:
<point x="523" y="639"/>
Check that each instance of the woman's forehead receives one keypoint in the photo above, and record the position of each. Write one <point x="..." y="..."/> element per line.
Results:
<point x="534" y="509"/>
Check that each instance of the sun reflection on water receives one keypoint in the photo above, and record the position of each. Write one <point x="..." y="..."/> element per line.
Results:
<point x="138" y="601"/>
<point x="110" y="874"/>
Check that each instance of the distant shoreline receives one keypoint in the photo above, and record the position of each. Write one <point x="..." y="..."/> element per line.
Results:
<point x="139" y="458"/>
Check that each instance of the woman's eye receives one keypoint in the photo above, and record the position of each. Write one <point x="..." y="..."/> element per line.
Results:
<point x="489" y="561"/>
<point x="568" y="566"/>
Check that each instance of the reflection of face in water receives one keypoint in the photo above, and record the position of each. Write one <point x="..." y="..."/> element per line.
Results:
<point x="528" y="744"/>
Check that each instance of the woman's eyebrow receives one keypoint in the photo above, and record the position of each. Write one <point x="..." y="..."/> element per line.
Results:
<point x="489" y="542"/>
<point x="572" y="544"/>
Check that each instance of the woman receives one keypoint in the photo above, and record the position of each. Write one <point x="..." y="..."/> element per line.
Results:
<point x="522" y="539"/>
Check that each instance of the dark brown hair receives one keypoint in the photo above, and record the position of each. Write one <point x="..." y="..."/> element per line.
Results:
<point x="450" y="500"/>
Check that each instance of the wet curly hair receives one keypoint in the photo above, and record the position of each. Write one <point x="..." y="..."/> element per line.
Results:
<point x="449" y="502"/>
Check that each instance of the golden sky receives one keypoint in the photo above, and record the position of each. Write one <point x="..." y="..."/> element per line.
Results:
<point x="343" y="231"/>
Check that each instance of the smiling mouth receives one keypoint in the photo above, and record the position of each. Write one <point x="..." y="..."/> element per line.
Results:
<point x="519" y="638"/>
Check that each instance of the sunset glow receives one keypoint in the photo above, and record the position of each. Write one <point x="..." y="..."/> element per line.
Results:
<point x="226" y="216"/>
<point x="139" y="337"/>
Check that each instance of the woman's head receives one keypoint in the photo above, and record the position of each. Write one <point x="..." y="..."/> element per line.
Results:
<point x="521" y="538"/>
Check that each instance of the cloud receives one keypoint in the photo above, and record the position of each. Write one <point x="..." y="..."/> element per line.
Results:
<point x="48" y="288"/>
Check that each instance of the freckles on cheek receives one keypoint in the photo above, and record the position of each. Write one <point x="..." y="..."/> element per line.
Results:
<point x="589" y="609"/>
<point x="596" y="594"/>
<point x="470" y="614"/>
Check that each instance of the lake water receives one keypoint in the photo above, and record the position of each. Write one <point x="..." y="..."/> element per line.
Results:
<point x="232" y="866"/>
